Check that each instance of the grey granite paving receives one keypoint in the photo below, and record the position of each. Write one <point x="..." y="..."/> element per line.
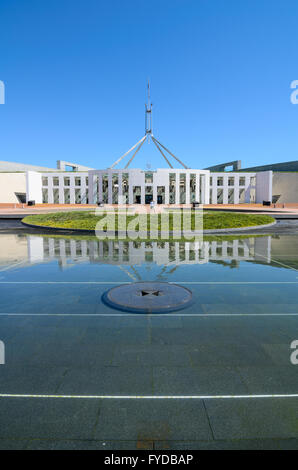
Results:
<point x="25" y="418"/>
<point x="150" y="420"/>
<point x="259" y="418"/>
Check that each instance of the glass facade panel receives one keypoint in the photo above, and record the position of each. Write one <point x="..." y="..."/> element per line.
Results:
<point x="172" y="188"/>
<point x="160" y="195"/>
<point x="137" y="195"/>
<point x="182" y="188"/>
<point x="252" y="195"/>
<point x="231" y="196"/>
<point x="105" y="189"/>
<point x="242" y="196"/>
<point x="125" y="188"/>
<point x="148" y="177"/>
<point x="115" y="188"/>
<point x="56" y="195"/>
<point x="78" y="196"/>
<point x="66" y="196"/>
<point x="192" y="187"/>
<point x="45" y="197"/>
<point x="219" y="196"/>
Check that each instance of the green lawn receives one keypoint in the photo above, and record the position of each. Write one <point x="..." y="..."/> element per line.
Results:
<point x="88" y="220"/>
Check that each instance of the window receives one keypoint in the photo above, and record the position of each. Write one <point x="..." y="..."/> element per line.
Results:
<point x="219" y="196"/>
<point x="77" y="181"/>
<point x="172" y="188"/>
<point x="66" y="196"/>
<point x="77" y="196"/>
<point x="231" y="196"/>
<point x="182" y="187"/>
<point x="45" y="195"/>
<point x="125" y="188"/>
<point x="160" y="195"/>
<point x="242" y="196"/>
<point x="231" y="181"/>
<point x="220" y="181"/>
<point x="56" y="196"/>
<point x="149" y="177"/>
<point x="55" y="181"/>
<point x="44" y="181"/>
<point x="115" y="188"/>
<point x="192" y="187"/>
<point x="136" y="194"/>
<point x="66" y="181"/>
<point x="105" y="189"/>
<point x="242" y="181"/>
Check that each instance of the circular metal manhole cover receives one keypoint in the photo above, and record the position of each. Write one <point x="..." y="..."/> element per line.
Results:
<point x="148" y="297"/>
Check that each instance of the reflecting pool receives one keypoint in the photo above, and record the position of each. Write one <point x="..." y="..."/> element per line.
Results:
<point x="234" y="339"/>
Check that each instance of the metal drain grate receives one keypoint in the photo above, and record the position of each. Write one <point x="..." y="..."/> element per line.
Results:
<point x="148" y="297"/>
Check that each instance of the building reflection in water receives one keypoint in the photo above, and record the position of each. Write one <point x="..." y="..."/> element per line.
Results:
<point x="119" y="252"/>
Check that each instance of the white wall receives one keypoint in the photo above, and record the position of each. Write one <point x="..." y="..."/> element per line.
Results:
<point x="263" y="186"/>
<point x="11" y="183"/>
<point x="285" y="185"/>
<point x="34" y="192"/>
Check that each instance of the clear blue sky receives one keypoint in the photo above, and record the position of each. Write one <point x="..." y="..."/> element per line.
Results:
<point x="75" y="73"/>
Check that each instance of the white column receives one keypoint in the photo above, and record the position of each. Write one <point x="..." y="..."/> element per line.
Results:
<point x="203" y="189"/>
<point x="197" y="187"/>
<point x="98" y="191"/>
<point x="143" y="193"/>
<point x="177" y="198"/>
<point x="130" y="189"/>
<point x="214" y="191"/>
<point x="110" y="188"/>
<point x="207" y="187"/>
<point x="247" y="189"/>
<point x="187" y="191"/>
<point x="90" y="188"/>
<point x="225" y="189"/>
<point x="236" y="189"/>
<point x="120" y="199"/>
<point x="167" y="189"/>
<point x="72" y="190"/>
<point x="83" y="190"/>
<point x="50" y="190"/>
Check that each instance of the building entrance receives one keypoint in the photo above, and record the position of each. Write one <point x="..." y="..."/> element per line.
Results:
<point x="148" y="198"/>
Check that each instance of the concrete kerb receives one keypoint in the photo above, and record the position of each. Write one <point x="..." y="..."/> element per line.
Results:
<point x="171" y="233"/>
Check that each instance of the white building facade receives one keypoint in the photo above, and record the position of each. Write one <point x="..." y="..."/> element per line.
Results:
<point x="162" y="186"/>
